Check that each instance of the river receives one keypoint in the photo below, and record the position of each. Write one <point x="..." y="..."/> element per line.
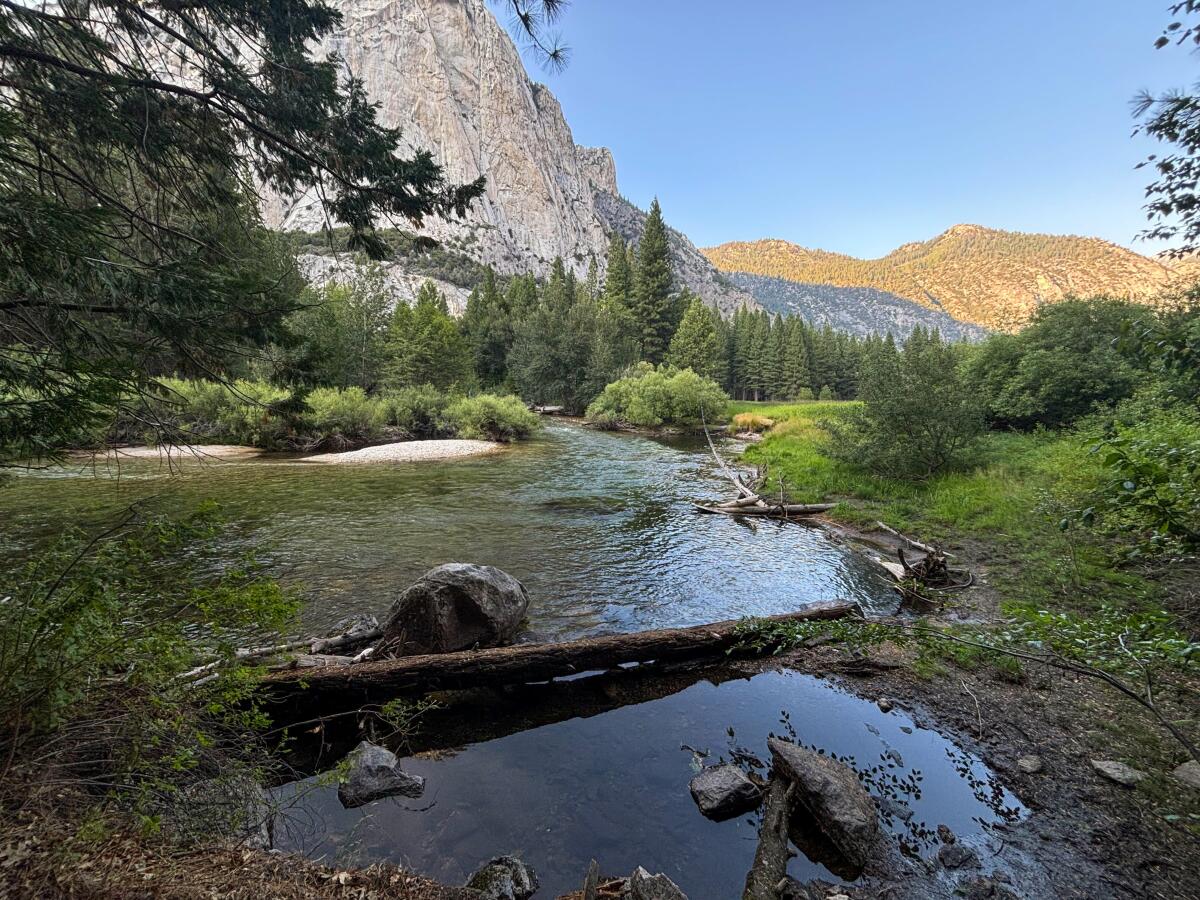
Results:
<point x="597" y="525"/>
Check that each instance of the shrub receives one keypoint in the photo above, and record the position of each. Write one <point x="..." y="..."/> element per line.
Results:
<point x="917" y="417"/>
<point x="805" y="395"/>
<point x="417" y="410"/>
<point x="96" y="633"/>
<point x="1152" y="491"/>
<point x="826" y="394"/>
<point x="648" y="397"/>
<point x="244" y="412"/>
<point x="343" y="416"/>
<point x="1060" y="368"/>
<point x="491" y="418"/>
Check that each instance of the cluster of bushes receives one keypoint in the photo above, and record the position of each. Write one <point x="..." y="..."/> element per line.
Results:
<point x="648" y="397"/>
<point x="259" y="414"/>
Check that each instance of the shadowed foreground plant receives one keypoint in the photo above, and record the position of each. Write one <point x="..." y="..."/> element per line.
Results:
<point x="94" y="634"/>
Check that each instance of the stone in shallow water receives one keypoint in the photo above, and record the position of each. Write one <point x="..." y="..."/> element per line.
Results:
<point x="1118" y="772"/>
<point x="834" y="796"/>
<point x="455" y="607"/>
<point x="957" y="856"/>
<point x="723" y="792"/>
<point x="375" y="773"/>
<point x="644" y="886"/>
<point x="504" y="878"/>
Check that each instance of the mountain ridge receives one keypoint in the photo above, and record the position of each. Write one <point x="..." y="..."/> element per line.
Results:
<point x="983" y="276"/>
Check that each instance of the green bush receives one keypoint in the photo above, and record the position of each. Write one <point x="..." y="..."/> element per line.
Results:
<point x="1064" y="365"/>
<point x="489" y="417"/>
<point x="96" y="635"/>
<point x="826" y="394"/>
<point x="342" y="417"/>
<point x="417" y="410"/>
<point x="1152" y="489"/>
<point x="245" y="412"/>
<point x="917" y="417"/>
<point x="649" y="397"/>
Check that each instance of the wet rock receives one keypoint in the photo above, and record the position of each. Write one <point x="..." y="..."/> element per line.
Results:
<point x="723" y="792"/>
<point x="644" y="886"/>
<point x="1188" y="773"/>
<point x="986" y="889"/>
<point x="504" y="878"/>
<point x="957" y="856"/>
<point x="945" y="835"/>
<point x="885" y="705"/>
<point x="896" y="809"/>
<point x="456" y="607"/>
<point x="1030" y="765"/>
<point x="375" y="773"/>
<point x="1118" y="772"/>
<point x="831" y="792"/>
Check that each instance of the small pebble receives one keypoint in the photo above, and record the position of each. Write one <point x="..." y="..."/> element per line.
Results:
<point x="885" y="705"/>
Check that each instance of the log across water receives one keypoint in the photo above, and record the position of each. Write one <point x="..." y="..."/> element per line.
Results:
<point x="348" y="686"/>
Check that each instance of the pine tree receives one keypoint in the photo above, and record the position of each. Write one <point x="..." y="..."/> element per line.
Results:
<point x="698" y="344"/>
<point x="618" y="278"/>
<point x="652" y="287"/>
<point x="425" y="344"/>
<point x="487" y="326"/>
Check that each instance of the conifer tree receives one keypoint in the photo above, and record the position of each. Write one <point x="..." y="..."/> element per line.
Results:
<point x="487" y="326"/>
<point x="652" y="287"/>
<point x="698" y="344"/>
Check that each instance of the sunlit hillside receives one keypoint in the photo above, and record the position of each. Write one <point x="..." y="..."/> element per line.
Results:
<point x="981" y="275"/>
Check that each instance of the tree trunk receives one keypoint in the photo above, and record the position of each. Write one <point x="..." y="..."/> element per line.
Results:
<point x="380" y="680"/>
<point x="771" y="857"/>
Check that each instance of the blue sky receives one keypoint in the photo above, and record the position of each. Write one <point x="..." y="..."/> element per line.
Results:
<point x="858" y="126"/>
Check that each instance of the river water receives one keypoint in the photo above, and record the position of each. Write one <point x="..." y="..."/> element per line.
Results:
<point x="601" y="530"/>
<point x="598" y="526"/>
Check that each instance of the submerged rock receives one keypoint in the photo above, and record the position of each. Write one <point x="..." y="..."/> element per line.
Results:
<point x="375" y="773"/>
<point x="723" y="792"/>
<point x="455" y="607"/>
<point x="1118" y="772"/>
<point x="644" y="886"/>
<point x="957" y="856"/>
<point x="832" y="793"/>
<point x="504" y="878"/>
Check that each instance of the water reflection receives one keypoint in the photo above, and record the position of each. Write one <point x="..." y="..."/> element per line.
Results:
<point x="614" y="786"/>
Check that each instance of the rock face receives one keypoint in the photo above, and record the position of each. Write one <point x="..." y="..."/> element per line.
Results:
<point x="504" y="878"/>
<point x="375" y="773"/>
<point x="449" y="76"/>
<point x="831" y="792"/>
<point x="1188" y="773"/>
<point x="455" y="607"/>
<point x="723" y="792"/>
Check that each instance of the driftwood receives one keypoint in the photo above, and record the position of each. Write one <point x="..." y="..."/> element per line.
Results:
<point x="912" y="543"/>
<point x="779" y="510"/>
<point x="749" y="500"/>
<point x="385" y="678"/>
<point x="771" y="857"/>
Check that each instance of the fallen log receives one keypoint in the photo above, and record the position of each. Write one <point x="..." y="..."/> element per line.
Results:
<point x="780" y="510"/>
<point x="380" y="680"/>
<point x="771" y="857"/>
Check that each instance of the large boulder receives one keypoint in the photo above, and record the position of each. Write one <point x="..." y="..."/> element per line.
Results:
<point x="375" y="773"/>
<point x="832" y="793"/>
<point x="455" y="607"/>
<point x="504" y="878"/>
<point x="723" y="792"/>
